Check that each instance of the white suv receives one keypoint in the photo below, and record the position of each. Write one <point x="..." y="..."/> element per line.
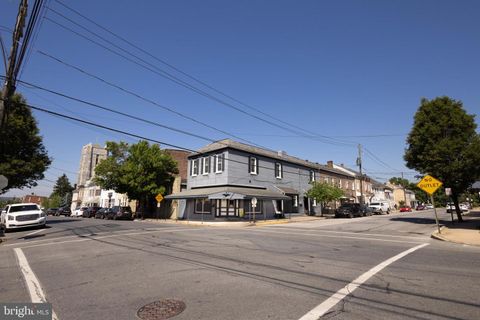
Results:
<point x="21" y="215"/>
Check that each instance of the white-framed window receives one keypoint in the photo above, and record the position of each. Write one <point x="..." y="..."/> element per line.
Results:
<point x="219" y="162"/>
<point x="312" y="176"/>
<point x="205" y="165"/>
<point x="253" y="165"/>
<point x="295" y="200"/>
<point x="278" y="170"/>
<point x="194" y="167"/>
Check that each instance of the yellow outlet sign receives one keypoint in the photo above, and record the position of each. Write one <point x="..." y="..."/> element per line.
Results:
<point x="429" y="184"/>
<point x="159" y="198"/>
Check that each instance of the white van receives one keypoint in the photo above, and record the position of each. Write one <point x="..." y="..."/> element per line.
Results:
<point x="21" y="215"/>
<point x="380" y="207"/>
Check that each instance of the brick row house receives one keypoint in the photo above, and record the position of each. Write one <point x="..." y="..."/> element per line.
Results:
<point x="223" y="178"/>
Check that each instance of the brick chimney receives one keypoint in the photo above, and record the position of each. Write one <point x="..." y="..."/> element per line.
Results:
<point x="330" y="163"/>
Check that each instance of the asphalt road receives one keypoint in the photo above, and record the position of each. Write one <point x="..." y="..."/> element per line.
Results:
<point x="380" y="267"/>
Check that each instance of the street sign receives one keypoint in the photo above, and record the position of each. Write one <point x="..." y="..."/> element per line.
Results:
<point x="3" y="182"/>
<point x="448" y="191"/>
<point x="429" y="184"/>
<point x="159" y="198"/>
<point x="254" y="202"/>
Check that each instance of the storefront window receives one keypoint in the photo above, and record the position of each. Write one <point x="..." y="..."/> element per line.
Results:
<point x="203" y="206"/>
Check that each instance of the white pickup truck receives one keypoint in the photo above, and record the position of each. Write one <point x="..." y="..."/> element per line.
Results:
<point x="380" y="207"/>
<point x="21" y="215"/>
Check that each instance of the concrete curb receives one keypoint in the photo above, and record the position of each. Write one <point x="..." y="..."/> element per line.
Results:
<point x="437" y="236"/>
<point x="234" y="224"/>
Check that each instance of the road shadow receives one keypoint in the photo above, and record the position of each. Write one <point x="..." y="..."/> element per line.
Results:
<point x="418" y="220"/>
<point x="62" y="221"/>
<point x="471" y="221"/>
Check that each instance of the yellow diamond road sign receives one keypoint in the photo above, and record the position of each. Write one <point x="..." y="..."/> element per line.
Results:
<point x="159" y="198"/>
<point x="429" y="184"/>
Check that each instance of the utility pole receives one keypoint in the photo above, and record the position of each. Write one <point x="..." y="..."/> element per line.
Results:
<point x="359" y="164"/>
<point x="404" y="192"/>
<point x="10" y="77"/>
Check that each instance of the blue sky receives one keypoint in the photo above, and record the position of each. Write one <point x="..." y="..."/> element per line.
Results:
<point x="343" y="69"/>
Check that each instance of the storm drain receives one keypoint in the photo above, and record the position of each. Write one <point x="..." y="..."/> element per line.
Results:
<point x="162" y="309"/>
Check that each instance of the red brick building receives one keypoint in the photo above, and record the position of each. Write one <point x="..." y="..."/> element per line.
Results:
<point x="32" y="198"/>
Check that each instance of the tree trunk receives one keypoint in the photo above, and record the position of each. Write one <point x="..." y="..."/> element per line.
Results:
<point x="457" y="207"/>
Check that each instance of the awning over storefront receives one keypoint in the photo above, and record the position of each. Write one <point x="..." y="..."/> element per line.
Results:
<point x="287" y="190"/>
<point x="232" y="193"/>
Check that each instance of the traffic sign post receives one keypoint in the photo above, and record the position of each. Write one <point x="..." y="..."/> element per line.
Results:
<point x="159" y="199"/>
<point x="254" y="205"/>
<point x="429" y="184"/>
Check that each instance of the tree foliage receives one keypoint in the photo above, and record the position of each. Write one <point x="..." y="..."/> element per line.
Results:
<point x="23" y="157"/>
<point x="139" y="170"/>
<point x="62" y="186"/>
<point x="324" y="192"/>
<point x="443" y="142"/>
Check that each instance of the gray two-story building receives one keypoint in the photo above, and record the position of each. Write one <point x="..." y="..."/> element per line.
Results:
<point x="224" y="177"/>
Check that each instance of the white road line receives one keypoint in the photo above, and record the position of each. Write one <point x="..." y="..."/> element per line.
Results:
<point x="323" y="308"/>
<point x="32" y="233"/>
<point x="33" y="285"/>
<point x="337" y="236"/>
<point x="76" y="236"/>
<point x="363" y="234"/>
<point x="109" y="236"/>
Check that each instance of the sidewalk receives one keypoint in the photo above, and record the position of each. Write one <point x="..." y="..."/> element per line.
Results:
<point x="467" y="232"/>
<point x="239" y="224"/>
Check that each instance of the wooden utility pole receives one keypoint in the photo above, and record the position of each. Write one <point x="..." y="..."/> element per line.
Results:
<point x="10" y="77"/>
<point x="359" y="163"/>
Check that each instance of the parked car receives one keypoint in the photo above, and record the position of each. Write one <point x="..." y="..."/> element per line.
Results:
<point x="101" y="213"/>
<point x="451" y="207"/>
<point x="405" y="209"/>
<point x="21" y="215"/>
<point x="428" y="206"/>
<point x="64" y="211"/>
<point x="90" y="212"/>
<point x="52" y="211"/>
<point x="119" y="212"/>
<point x="352" y="210"/>
<point x="78" y="212"/>
<point x="380" y="207"/>
<point x="420" y="207"/>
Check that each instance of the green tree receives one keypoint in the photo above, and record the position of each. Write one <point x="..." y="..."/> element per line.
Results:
<point x="444" y="143"/>
<point x="23" y="157"/>
<point x="140" y="170"/>
<point x="54" y="201"/>
<point x="62" y="186"/>
<point x="324" y="192"/>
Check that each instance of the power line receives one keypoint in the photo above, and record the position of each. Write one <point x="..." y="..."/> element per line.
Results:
<point x="90" y="123"/>
<point x="143" y="98"/>
<point x="98" y="106"/>
<point x="185" y="84"/>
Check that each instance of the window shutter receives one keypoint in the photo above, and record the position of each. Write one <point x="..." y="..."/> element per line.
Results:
<point x="223" y="161"/>
<point x="208" y="168"/>
<point x="276" y="169"/>
<point x="191" y="167"/>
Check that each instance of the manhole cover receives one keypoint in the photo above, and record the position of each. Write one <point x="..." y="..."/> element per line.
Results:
<point x="162" y="309"/>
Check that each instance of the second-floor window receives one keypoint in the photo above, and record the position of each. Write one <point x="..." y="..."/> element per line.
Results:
<point x="253" y="165"/>
<point x="195" y="167"/>
<point x="219" y="162"/>
<point x="205" y="165"/>
<point x="312" y="176"/>
<point x="278" y="170"/>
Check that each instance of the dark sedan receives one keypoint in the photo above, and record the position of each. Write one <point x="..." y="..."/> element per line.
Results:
<point x="52" y="211"/>
<point x="352" y="210"/>
<point x="118" y="212"/>
<point x="64" y="211"/>
<point x="90" y="212"/>
<point x="101" y="213"/>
